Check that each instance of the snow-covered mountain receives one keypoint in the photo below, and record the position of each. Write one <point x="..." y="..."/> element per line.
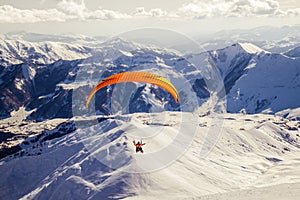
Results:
<point x="271" y="83"/>
<point x="255" y="80"/>
<point x="47" y="89"/>
<point x="273" y="39"/>
<point x="98" y="161"/>
<point x="52" y="147"/>
<point x="66" y="38"/>
<point x="293" y="53"/>
<point x="14" y="52"/>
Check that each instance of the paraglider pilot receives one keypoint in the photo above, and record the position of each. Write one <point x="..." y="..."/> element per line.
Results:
<point x="138" y="146"/>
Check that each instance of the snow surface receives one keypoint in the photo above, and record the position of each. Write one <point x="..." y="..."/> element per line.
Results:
<point x="253" y="155"/>
<point x="293" y="53"/>
<point x="271" y="82"/>
<point x="20" y="51"/>
<point x="254" y="79"/>
<point x="250" y="48"/>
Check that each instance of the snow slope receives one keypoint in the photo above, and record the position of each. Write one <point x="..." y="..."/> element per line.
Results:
<point x="293" y="53"/>
<point x="253" y="152"/>
<point x="20" y="51"/>
<point x="270" y="82"/>
<point x="264" y="193"/>
<point x="256" y="80"/>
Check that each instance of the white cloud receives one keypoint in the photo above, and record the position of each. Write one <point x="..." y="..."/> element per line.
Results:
<point x="234" y="8"/>
<point x="156" y="12"/>
<point x="72" y="8"/>
<point x="103" y="14"/>
<point x="293" y="12"/>
<point x="66" y="10"/>
<point x="78" y="10"/>
<point x="9" y="14"/>
<point x="197" y="9"/>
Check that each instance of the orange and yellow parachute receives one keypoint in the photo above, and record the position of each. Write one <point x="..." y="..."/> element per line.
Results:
<point x="144" y="77"/>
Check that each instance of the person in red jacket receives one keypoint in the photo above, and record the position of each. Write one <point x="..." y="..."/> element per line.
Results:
<point x="138" y="146"/>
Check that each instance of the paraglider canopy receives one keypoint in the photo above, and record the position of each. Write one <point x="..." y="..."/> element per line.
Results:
<point x="144" y="77"/>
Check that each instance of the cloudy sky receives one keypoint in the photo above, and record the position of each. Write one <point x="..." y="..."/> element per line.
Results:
<point x="108" y="17"/>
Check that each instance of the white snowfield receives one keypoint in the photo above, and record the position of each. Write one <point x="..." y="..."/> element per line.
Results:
<point x="20" y="51"/>
<point x="250" y="48"/>
<point x="255" y="157"/>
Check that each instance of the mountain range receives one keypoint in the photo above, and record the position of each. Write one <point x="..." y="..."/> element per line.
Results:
<point x="272" y="39"/>
<point x="40" y="76"/>
<point x="235" y="128"/>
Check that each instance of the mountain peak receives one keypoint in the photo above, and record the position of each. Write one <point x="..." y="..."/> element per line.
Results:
<point x="250" y="48"/>
<point x="117" y="40"/>
<point x="120" y="44"/>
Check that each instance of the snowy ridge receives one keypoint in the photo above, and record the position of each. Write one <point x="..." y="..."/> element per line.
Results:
<point x="281" y="40"/>
<point x="231" y="57"/>
<point x="71" y="163"/>
<point x="293" y="53"/>
<point x="256" y="80"/>
<point x="250" y="48"/>
<point x="238" y="64"/>
<point x="64" y="38"/>
<point x="271" y="83"/>
<point x="18" y="51"/>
